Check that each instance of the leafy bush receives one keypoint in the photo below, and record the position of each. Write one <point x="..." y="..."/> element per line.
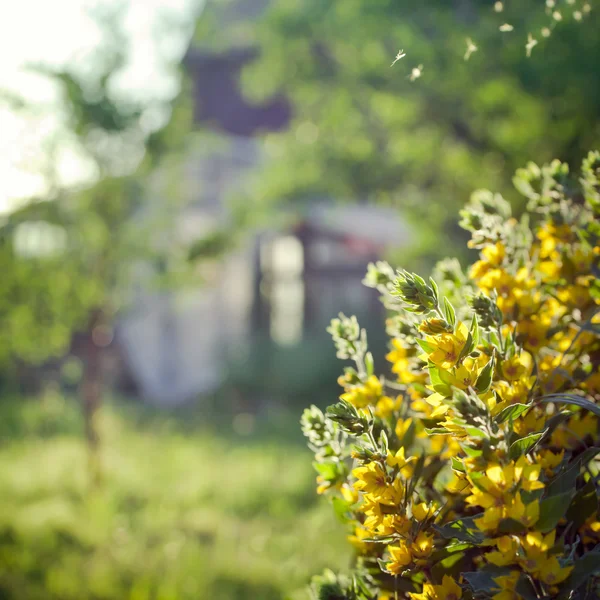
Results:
<point x="473" y="473"/>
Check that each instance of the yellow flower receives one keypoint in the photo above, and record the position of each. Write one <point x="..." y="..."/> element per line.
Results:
<point x="574" y="296"/>
<point x="386" y="406"/>
<point x="402" y="426"/>
<point x="533" y="421"/>
<point x="349" y="494"/>
<point x="365" y="395"/>
<point x="357" y="539"/>
<point x="582" y="258"/>
<point x="490" y="520"/>
<point x="518" y="367"/>
<point x="465" y="376"/>
<point x="440" y="407"/>
<point x="492" y="256"/>
<point x="536" y="546"/>
<point x="423" y="511"/>
<point x="506" y="586"/>
<point x="422" y="546"/>
<point x="403" y="363"/>
<point x="574" y="433"/>
<point x="444" y="446"/>
<point x="496" y="493"/>
<point x="399" y="352"/>
<point x="394" y="524"/>
<point x="550" y="269"/>
<point x="447" y="347"/>
<point x="590" y="530"/>
<point x="551" y="573"/>
<point x="548" y="460"/>
<point x="322" y="484"/>
<point x="372" y="479"/>
<point x="517" y="392"/>
<point x="458" y="485"/>
<point x="399" y="461"/>
<point x="533" y="332"/>
<point x="371" y="508"/>
<point x="511" y="289"/>
<point x="516" y="509"/>
<point x="448" y="590"/>
<point x="507" y="553"/>
<point x="551" y="235"/>
<point x="400" y="558"/>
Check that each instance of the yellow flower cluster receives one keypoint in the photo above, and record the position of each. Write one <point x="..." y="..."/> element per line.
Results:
<point x="472" y="471"/>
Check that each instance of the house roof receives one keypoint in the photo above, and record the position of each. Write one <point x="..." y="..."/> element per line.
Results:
<point x="381" y="226"/>
<point x="219" y="102"/>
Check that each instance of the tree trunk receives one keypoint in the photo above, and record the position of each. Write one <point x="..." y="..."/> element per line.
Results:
<point x="91" y="391"/>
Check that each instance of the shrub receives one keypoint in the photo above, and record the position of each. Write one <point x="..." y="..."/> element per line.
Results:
<point x="473" y="471"/>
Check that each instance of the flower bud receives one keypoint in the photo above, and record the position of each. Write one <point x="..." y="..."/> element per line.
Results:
<point x="435" y="326"/>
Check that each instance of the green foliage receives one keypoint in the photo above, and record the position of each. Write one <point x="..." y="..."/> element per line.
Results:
<point x="95" y="234"/>
<point x="183" y="513"/>
<point x="363" y="130"/>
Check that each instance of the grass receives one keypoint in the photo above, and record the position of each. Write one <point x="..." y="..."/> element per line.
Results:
<point x="182" y="512"/>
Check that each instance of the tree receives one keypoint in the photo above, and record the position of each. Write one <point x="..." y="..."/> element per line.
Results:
<point x="365" y="130"/>
<point x="96" y="235"/>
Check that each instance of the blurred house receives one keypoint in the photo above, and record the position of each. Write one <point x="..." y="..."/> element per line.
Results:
<point x="282" y="284"/>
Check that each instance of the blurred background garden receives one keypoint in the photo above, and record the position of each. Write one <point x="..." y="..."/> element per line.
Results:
<point x="189" y="191"/>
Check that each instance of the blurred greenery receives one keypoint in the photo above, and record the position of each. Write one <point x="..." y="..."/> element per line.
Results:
<point x="183" y="512"/>
<point x="363" y="130"/>
<point x="206" y="503"/>
<point x="68" y="259"/>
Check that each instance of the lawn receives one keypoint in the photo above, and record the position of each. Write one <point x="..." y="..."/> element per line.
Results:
<point x="182" y="512"/>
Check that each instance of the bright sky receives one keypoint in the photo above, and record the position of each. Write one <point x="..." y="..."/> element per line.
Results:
<point x="56" y="32"/>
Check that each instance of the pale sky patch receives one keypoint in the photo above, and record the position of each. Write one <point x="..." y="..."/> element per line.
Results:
<point x="58" y="33"/>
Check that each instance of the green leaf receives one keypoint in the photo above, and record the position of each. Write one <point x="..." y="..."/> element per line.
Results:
<point x="524" y="445"/>
<point x="436" y="431"/>
<point x="507" y="526"/>
<point x="525" y="589"/>
<point x="440" y="386"/>
<point x="466" y="348"/>
<point x="553" y="422"/>
<point x="565" y="481"/>
<point x="463" y="530"/>
<point x="475" y="477"/>
<point x="369" y="364"/>
<point x="434" y="287"/>
<point x="495" y="340"/>
<point x="383" y="441"/>
<point x="529" y="496"/>
<point x="483" y="579"/>
<point x="480" y="581"/>
<point x="382" y="539"/>
<point x="552" y="510"/>
<point x="474" y="332"/>
<point x="475" y="432"/>
<point x="583" y="506"/>
<point x="328" y="470"/>
<point x="484" y="380"/>
<point x="472" y="452"/>
<point x="585" y="567"/>
<point x="426" y="346"/>
<point x="341" y="508"/>
<point x="449" y="312"/>
<point x="572" y="399"/>
<point x="511" y="412"/>
<point x="457" y="465"/>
